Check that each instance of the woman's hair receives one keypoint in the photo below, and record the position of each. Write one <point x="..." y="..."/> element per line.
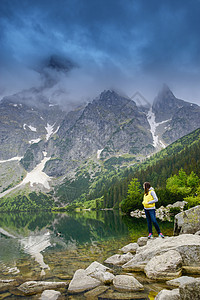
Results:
<point x="146" y="187"/>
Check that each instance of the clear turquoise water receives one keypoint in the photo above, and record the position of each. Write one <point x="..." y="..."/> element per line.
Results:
<point x="52" y="246"/>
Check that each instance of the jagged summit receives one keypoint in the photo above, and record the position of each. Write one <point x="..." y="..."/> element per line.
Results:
<point x="164" y="95"/>
<point x="166" y="104"/>
<point x="111" y="98"/>
<point x="112" y="93"/>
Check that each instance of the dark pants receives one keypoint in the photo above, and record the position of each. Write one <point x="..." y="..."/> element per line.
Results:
<point x="151" y="218"/>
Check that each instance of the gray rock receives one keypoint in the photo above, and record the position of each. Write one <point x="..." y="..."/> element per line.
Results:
<point x="188" y="245"/>
<point x="164" y="266"/>
<point x="127" y="283"/>
<point x="105" y="277"/>
<point x="197" y="233"/>
<point x="96" y="266"/>
<point x="187" y="221"/>
<point x="142" y="241"/>
<point x="132" y="248"/>
<point x="179" y="281"/>
<point x="134" y="265"/>
<point x="179" y="204"/>
<point x="190" y="290"/>
<point x="98" y="271"/>
<point x="118" y="259"/>
<point x="82" y="282"/>
<point x="138" y="213"/>
<point x="168" y="295"/>
<point x="50" y="295"/>
<point x="35" y="287"/>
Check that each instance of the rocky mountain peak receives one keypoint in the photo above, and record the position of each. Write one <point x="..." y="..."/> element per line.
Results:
<point x="111" y="98"/>
<point x="165" y="95"/>
<point x="108" y="94"/>
<point x="165" y="104"/>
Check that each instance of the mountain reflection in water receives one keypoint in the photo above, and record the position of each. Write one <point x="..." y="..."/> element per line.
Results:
<point x="39" y="234"/>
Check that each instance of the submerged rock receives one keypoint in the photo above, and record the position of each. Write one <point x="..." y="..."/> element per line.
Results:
<point x="165" y="266"/>
<point x="96" y="292"/>
<point x="50" y="295"/>
<point x="35" y="287"/>
<point x="127" y="283"/>
<point x="110" y="294"/>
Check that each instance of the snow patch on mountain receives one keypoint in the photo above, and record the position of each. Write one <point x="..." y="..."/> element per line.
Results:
<point x="153" y="126"/>
<point x="99" y="153"/>
<point x="11" y="159"/>
<point x="30" y="127"/>
<point x="36" y="176"/>
<point x="49" y="129"/>
<point x="34" y="141"/>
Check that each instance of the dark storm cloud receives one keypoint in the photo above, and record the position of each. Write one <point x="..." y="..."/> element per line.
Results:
<point x="132" y="44"/>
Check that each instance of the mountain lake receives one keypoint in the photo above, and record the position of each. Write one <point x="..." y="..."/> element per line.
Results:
<point x="52" y="246"/>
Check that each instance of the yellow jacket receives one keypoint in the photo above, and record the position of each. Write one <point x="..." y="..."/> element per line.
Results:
<point x="148" y="198"/>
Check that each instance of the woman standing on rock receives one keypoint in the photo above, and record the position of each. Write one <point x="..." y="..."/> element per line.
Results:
<point x="149" y="201"/>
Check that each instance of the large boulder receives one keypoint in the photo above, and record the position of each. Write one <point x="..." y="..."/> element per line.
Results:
<point x="127" y="283"/>
<point x="168" y="295"/>
<point x="179" y="204"/>
<point x="35" y="287"/>
<point x="165" y="266"/>
<point x="190" y="290"/>
<point x="82" y="282"/>
<point x="188" y="245"/>
<point x="187" y="221"/>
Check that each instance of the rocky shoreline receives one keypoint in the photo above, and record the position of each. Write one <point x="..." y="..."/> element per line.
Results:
<point x="173" y="261"/>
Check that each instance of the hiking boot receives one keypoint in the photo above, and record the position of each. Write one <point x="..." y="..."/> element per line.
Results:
<point x="161" y="235"/>
<point x="150" y="236"/>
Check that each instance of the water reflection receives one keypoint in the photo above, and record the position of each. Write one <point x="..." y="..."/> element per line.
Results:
<point x="24" y="235"/>
<point x="34" y="245"/>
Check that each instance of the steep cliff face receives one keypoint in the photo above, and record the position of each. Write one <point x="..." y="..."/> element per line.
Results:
<point x="179" y="117"/>
<point x="22" y="125"/>
<point x="109" y="126"/>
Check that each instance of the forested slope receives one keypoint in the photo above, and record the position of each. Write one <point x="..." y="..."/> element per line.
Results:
<point x="182" y="154"/>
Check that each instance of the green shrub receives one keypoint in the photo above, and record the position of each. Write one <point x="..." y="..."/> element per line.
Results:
<point x="174" y="210"/>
